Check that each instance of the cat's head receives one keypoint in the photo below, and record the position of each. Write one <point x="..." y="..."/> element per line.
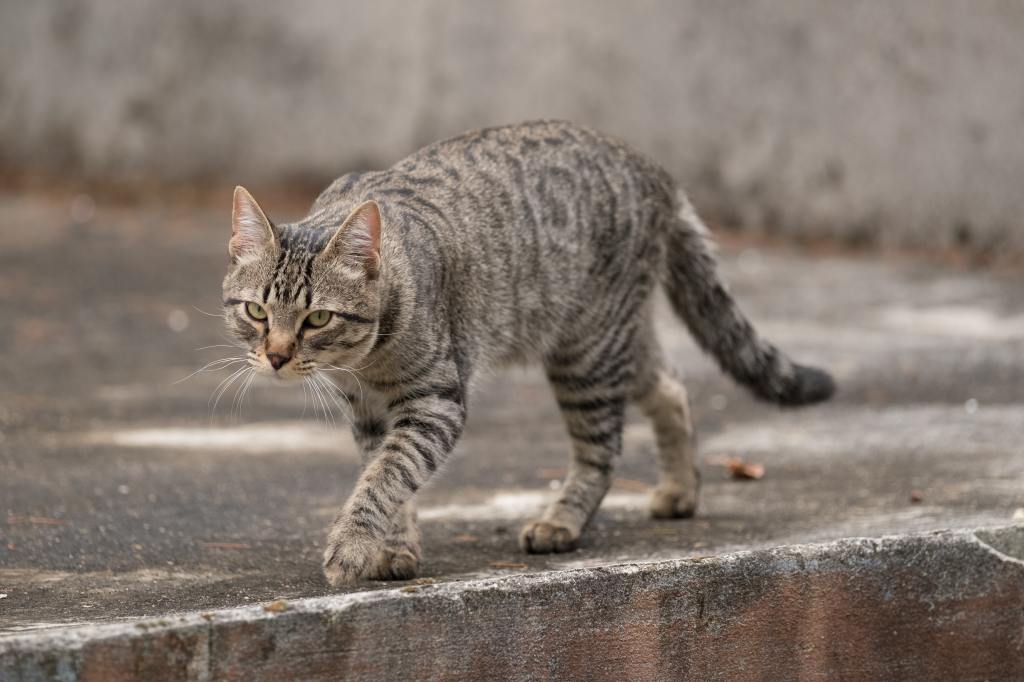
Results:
<point x="302" y="298"/>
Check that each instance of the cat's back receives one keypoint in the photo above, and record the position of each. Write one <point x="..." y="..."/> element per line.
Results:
<point x="527" y="144"/>
<point x="504" y="159"/>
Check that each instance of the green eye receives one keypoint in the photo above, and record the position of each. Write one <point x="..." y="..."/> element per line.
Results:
<point x="318" y="318"/>
<point x="256" y="311"/>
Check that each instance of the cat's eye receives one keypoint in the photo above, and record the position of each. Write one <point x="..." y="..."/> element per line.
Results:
<point x="318" y="318"/>
<point x="255" y="311"/>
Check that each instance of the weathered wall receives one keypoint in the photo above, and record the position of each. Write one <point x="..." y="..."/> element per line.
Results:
<point x="873" y="120"/>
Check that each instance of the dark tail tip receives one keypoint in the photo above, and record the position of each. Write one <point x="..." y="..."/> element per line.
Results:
<point x="810" y="385"/>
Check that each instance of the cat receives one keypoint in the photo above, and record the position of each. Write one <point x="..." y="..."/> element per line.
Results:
<point x="538" y="242"/>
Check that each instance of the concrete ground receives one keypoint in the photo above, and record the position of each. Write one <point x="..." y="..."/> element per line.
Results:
<point x="122" y="497"/>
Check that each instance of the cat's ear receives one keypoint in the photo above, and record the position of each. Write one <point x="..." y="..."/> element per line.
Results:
<point x="357" y="241"/>
<point x="251" y="232"/>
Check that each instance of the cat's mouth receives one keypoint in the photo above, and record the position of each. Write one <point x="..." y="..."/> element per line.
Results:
<point x="288" y="371"/>
<point x="286" y="374"/>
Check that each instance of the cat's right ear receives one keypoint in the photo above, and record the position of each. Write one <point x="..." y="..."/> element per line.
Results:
<point x="251" y="232"/>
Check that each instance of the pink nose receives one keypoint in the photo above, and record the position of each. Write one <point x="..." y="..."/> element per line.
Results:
<point x="278" y="360"/>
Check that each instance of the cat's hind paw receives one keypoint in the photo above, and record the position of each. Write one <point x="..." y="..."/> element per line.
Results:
<point x="674" y="502"/>
<point x="546" y="537"/>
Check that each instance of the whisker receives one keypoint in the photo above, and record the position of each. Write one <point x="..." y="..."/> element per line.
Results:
<point x="351" y="372"/>
<point x="305" y="380"/>
<point x="316" y="402"/>
<point x="334" y="389"/>
<point x="200" y="310"/>
<point x="224" y="386"/>
<point x="351" y="369"/>
<point x="216" y="365"/>
<point x="334" y="393"/>
<point x="236" y="400"/>
<point x="328" y="415"/>
<point x="245" y="391"/>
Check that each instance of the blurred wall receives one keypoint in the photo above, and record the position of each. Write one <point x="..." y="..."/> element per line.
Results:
<point x="875" y="121"/>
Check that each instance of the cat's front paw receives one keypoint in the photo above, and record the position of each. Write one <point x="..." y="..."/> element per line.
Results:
<point x="394" y="564"/>
<point x="349" y="556"/>
<point x="545" y="537"/>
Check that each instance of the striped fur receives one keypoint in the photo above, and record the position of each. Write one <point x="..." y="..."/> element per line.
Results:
<point x="540" y="242"/>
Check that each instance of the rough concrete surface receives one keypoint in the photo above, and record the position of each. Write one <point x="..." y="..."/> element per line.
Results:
<point x="123" y="499"/>
<point x="928" y="607"/>
<point x="873" y="121"/>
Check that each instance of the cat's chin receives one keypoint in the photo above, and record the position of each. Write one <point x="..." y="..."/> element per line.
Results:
<point x="285" y="376"/>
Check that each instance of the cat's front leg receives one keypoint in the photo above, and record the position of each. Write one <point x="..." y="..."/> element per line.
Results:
<point x="424" y="429"/>
<point x="399" y="559"/>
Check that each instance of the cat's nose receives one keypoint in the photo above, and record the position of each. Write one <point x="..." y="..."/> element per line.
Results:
<point x="278" y="360"/>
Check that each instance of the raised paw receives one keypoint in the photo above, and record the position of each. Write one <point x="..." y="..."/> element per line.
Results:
<point x="348" y="556"/>
<point x="394" y="564"/>
<point x="545" y="537"/>
<point x="674" y="502"/>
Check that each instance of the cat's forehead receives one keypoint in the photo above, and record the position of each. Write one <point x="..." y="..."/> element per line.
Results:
<point x="303" y="238"/>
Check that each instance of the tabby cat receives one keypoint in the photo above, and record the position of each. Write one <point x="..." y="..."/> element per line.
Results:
<point x="534" y="242"/>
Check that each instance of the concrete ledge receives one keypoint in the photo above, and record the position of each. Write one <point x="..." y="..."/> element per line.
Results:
<point x="944" y="605"/>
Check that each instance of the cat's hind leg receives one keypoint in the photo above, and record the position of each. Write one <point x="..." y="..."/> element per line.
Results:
<point x="591" y="386"/>
<point x="663" y="399"/>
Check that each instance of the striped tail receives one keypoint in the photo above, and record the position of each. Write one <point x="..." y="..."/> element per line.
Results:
<point x="701" y="299"/>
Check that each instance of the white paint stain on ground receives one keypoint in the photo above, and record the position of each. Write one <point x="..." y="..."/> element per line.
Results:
<point x="954" y="321"/>
<point x="520" y="505"/>
<point x="894" y="430"/>
<point x="263" y="437"/>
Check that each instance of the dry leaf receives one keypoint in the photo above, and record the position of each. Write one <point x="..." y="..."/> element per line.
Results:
<point x="916" y="496"/>
<point x="745" y="471"/>
<point x="464" y="537"/>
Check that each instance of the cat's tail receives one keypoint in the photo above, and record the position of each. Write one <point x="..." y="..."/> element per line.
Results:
<point x="702" y="300"/>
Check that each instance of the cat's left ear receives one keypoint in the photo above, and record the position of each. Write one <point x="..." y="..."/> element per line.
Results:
<point x="357" y="241"/>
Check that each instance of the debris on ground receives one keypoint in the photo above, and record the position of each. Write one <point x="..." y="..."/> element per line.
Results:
<point x="506" y="564"/>
<point x="37" y="520"/>
<point x="424" y="581"/>
<point x="224" y="545"/>
<point x="279" y="606"/>
<point x="742" y="470"/>
<point x="630" y="484"/>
